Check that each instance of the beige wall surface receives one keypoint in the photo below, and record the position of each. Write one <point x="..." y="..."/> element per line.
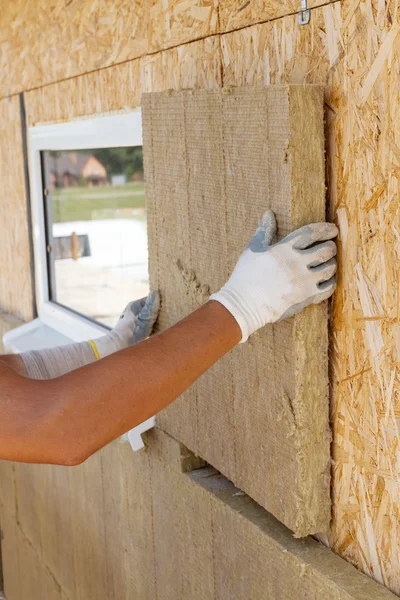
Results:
<point x="352" y="48"/>
<point x="139" y="527"/>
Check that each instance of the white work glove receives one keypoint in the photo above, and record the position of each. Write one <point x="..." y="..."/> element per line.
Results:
<point x="134" y="325"/>
<point x="145" y="312"/>
<point x="274" y="281"/>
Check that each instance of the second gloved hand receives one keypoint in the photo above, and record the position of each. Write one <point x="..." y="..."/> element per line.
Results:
<point x="134" y="325"/>
<point x="274" y="281"/>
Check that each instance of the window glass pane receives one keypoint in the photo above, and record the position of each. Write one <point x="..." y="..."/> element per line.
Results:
<point x="96" y="229"/>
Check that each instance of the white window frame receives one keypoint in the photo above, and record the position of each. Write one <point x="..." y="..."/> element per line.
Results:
<point x="57" y="325"/>
<point x="112" y="131"/>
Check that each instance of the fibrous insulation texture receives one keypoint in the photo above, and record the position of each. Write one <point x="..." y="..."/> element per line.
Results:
<point x="215" y="160"/>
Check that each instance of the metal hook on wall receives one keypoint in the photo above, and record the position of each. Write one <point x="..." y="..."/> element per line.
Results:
<point x="304" y="14"/>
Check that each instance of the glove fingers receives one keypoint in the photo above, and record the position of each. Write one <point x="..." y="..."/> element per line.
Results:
<point x="150" y="307"/>
<point x="320" y="253"/>
<point x="137" y="306"/>
<point x="146" y="318"/>
<point x="326" y="290"/>
<point x="310" y="234"/>
<point x="265" y="234"/>
<point x="325" y="271"/>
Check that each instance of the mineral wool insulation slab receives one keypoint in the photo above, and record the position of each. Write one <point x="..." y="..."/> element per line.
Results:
<point x="214" y="162"/>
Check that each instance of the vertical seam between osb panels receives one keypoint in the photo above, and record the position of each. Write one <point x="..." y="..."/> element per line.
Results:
<point x="219" y="34"/>
<point x="221" y="62"/>
<point x="226" y="275"/>
<point x="218" y="8"/>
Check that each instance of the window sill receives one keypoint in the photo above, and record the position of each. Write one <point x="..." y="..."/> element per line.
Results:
<point x="35" y="335"/>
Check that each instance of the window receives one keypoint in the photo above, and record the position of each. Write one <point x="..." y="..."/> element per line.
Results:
<point x="88" y="225"/>
<point x="95" y="215"/>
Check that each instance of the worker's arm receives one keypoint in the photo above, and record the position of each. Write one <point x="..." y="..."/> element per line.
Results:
<point x="134" y="325"/>
<point x="65" y="420"/>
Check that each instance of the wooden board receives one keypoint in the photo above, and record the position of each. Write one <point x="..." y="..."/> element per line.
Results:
<point x="51" y="40"/>
<point x="15" y="274"/>
<point x="353" y="49"/>
<point x="236" y="14"/>
<point x="195" y="65"/>
<point x="214" y="162"/>
<point x="167" y="534"/>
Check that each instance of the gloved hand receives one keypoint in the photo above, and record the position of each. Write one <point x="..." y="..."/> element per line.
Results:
<point x="137" y="321"/>
<point x="274" y="281"/>
<point x="135" y="324"/>
<point x="146" y="311"/>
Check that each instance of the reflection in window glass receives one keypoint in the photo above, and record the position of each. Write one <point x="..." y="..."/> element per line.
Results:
<point x="96" y="229"/>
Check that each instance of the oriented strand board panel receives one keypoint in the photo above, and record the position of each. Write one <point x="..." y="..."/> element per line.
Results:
<point x="194" y="65"/>
<point x="166" y="534"/>
<point x="214" y="161"/>
<point x="236" y="14"/>
<point x="15" y="273"/>
<point x="51" y="40"/>
<point x="353" y="49"/>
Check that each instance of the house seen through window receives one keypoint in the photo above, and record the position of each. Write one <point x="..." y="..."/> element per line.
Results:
<point x="96" y="229"/>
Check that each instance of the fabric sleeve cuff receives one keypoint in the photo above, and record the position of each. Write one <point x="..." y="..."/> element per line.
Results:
<point x="228" y="301"/>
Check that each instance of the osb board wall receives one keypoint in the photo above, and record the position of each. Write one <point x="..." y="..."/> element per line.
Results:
<point x="138" y="526"/>
<point x="352" y="48"/>
<point x="50" y="40"/>
<point x="235" y="14"/>
<point x="194" y="65"/>
<point x="15" y="276"/>
<point x="235" y="154"/>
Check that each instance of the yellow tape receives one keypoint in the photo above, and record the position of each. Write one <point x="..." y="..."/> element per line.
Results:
<point x="94" y="348"/>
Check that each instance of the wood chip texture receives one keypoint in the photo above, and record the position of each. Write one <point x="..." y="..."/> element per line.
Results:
<point x="352" y="48"/>
<point x="214" y="162"/>
<point x="50" y="40"/>
<point x="15" y="271"/>
<point x="137" y="526"/>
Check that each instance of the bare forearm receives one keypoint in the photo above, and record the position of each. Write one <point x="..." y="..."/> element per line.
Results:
<point x="104" y="400"/>
<point x="91" y="406"/>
